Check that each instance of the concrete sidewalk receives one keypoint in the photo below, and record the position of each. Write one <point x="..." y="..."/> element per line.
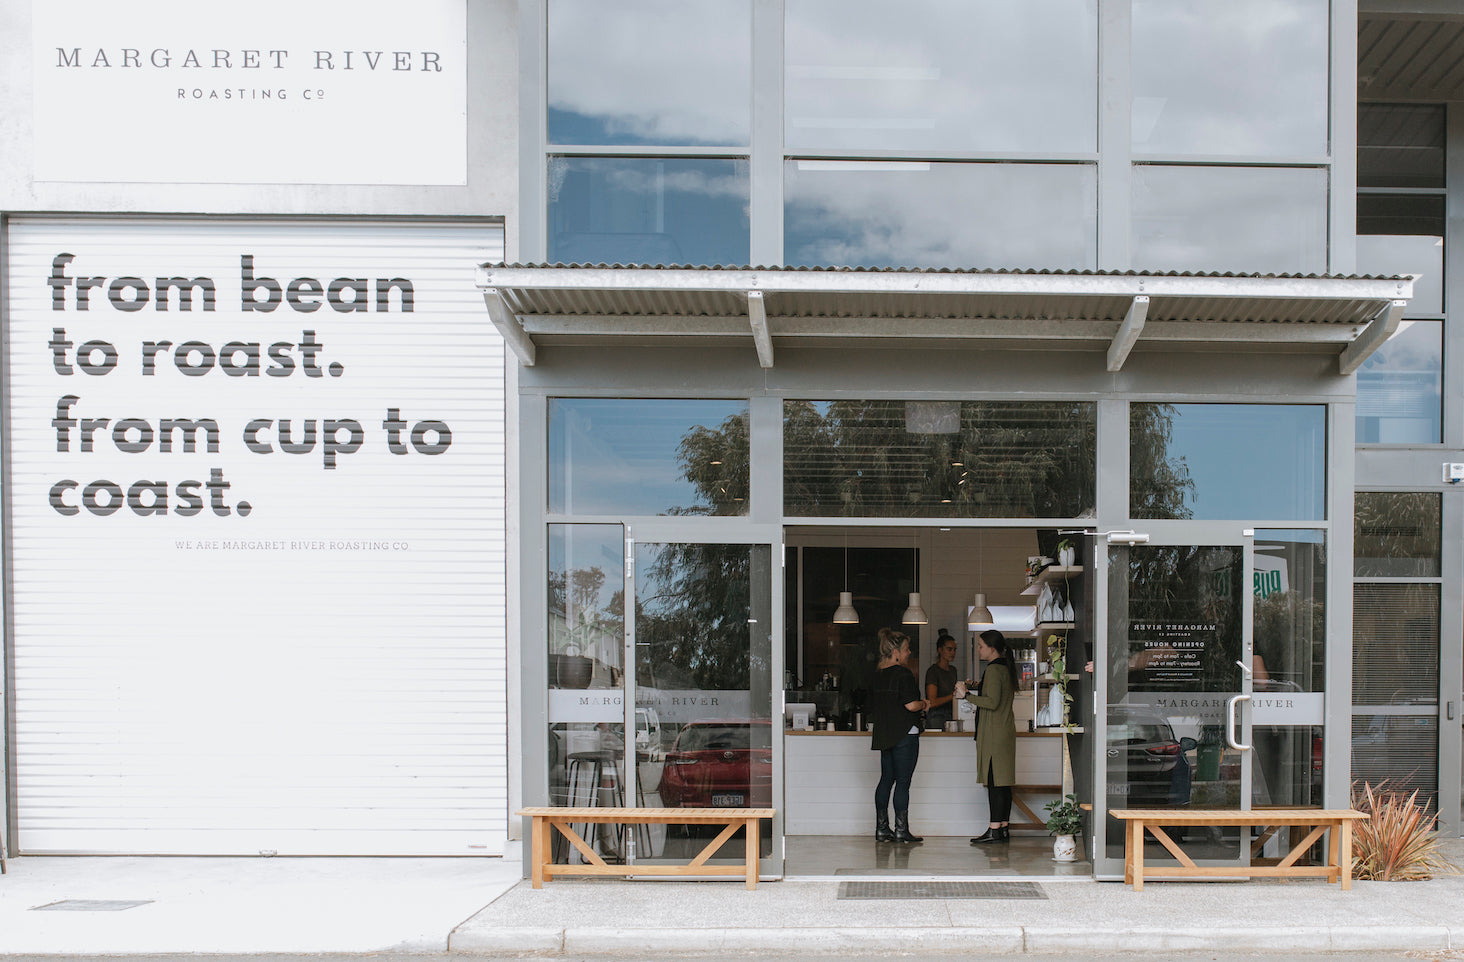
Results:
<point x="597" y="917"/>
<point x="243" y="905"/>
<point x="479" y="906"/>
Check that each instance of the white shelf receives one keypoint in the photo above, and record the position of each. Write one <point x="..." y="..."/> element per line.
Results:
<point x="1050" y="680"/>
<point x="1050" y="573"/>
<point x="1045" y="626"/>
<point x="1058" y="730"/>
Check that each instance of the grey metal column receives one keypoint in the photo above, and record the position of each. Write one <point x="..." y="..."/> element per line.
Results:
<point x="1337" y="711"/>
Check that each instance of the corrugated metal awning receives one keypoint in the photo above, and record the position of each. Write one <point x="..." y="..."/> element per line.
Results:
<point x="534" y="304"/>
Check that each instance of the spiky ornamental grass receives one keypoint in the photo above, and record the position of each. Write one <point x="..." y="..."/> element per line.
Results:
<point x="1397" y="841"/>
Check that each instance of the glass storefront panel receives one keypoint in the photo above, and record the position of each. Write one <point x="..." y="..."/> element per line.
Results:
<point x="1400" y="388"/>
<point x="1227" y="461"/>
<point x="1195" y="218"/>
<point x="1397" y="534"/>
<point x="939" y="459"/>
<point x="941" y="75"/>
<point x="703" y="669"/>
<point x="1236" y="77"/>
<point x="625" y="456"/>
<point x="648" y="210"/>
<point x="922" y="214"/>
<point x="1420" y="254"/>
<point x="586" y="677"/>
<point x="650" y="72"/>
<point x="1395" y="645"/>
<point x="1289" y="622"/>
<point x="1175" y="639"/>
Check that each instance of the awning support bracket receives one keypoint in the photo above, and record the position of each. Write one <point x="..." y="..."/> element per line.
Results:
<point x="757" y="316"/>
<point x="508" y="325"/>
<point x="1128" y="332"/>
<point x="1378" y="330"/>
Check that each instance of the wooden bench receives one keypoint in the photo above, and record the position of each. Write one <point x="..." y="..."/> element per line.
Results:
<point x="546" y="820"/>
<point x="1338" y="822"/>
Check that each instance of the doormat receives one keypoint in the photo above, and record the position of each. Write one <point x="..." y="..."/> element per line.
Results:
<point x="941" y="890"/>
<point x="90" y="905"/>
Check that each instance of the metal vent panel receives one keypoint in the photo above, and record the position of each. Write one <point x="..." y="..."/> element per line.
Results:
<point x="941" y="890"/>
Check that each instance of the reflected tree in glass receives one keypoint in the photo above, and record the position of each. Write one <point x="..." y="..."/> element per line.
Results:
<point x="1160" y="485"/>
<point x="860" y="458"/>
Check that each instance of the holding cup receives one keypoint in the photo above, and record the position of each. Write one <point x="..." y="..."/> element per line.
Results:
<point x="960" y="691"/>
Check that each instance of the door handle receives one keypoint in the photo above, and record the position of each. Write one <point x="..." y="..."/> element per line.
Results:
<point x="1230" y="733"/>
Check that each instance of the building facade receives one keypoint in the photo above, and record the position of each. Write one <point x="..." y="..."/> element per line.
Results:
<point x="1207" y="251"/>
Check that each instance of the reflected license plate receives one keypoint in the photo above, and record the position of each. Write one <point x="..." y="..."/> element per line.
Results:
<point x="729" y="801"/>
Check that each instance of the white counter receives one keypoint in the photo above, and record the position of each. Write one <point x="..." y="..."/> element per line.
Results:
<point x="830" y="778"/>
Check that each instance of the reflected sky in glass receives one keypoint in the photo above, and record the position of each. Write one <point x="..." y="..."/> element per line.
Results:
<point x="1400" y="388"/>
<point x="1392" y="254"/>
<point x="941" y="75"/>
<point x="1243" y="219"/>
<point x="899" y="214"/>
<point x="650" y="72"/>
<point x="648" y="210"/>
<point x="1230" y="77"/>
<point x="621" y="456"/>
<point x="1246" y="461"/>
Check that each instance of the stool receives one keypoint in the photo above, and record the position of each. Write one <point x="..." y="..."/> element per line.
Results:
<point x="594" y="781"/>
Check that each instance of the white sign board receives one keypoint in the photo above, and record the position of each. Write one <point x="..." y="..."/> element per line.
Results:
<point x="265" y="92"/>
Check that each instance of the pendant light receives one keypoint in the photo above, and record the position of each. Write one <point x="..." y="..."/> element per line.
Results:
<point x="980" y="617"/>
<point x="846" y="615"/>
<point x="915" y="615"/>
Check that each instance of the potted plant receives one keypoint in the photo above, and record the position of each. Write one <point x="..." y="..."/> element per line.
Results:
<point x="1064" y="822"/>
<point x="1066" y="553"/>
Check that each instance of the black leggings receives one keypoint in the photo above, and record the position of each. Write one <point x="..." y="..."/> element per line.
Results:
<point x="998" y="798"/>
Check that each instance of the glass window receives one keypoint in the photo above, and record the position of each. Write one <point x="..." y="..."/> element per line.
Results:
<point x="1395" y="644"/>
<point x="1422" y="255"/>
<point x="1400" y="387"/>
<point x="941" y="75"/>
<point x="650" y="72"/>
<point x="1261" y="219"/>
<point x="939" y="459"/>
<point x="616" y="456"/>
<point x="586" y="679"/>
<point x="1227" y="461"/>
<point x="1397" y="534"/>
<point x="1400" y="145"/>
<point x="916" y="214"/>
<point x="648" y="210"/>
<point x="1230" y="77"/>
<point x="1404" y="234"/>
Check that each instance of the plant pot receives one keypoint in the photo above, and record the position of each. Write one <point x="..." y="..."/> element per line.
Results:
<point x="570" y="671"/>
<point x="1064" y="848"/>
<point x="1066" y="557"/>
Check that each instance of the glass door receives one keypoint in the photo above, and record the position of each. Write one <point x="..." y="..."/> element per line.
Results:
<point x="702" y="666"/>
<point x="1176" y="728"/>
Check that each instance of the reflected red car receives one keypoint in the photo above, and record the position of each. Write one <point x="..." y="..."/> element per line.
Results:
<point x="720" y="764"/>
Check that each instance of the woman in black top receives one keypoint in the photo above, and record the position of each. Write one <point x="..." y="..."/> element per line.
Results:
<point x="896" y="703"/>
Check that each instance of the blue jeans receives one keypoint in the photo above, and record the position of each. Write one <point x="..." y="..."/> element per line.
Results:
<point x="896" y="768"/>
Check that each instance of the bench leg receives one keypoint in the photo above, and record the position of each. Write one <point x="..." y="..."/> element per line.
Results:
<point x="1345" y="862"/>
<point x="1138" y="847"/>
<point x="538" y="829"/>
<point x="752" y="830"/>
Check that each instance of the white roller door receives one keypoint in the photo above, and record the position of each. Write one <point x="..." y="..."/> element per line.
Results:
<point x="254" y="610"/>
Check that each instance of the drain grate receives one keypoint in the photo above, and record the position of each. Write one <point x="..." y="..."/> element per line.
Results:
<point x="91" y="905"/>
<point x="941" y="890"/>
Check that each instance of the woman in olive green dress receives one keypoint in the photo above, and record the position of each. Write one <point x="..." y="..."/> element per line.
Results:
<point x="996" y="733"/>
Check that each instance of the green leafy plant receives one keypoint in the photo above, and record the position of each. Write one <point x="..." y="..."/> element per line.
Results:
<point x="1064" y="817"/>
<point x="1397" y="841"/>
<point x="1057" y="659"/>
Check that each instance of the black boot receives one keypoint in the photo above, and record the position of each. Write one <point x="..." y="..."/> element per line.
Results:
<point x="902" y="828"/>
<point x="1006" y="833"/>
<point x="991" y="835"/>
<point x="882" y="831"/>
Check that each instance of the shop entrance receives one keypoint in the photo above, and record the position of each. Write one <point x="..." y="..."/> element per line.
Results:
<point x="831" y="772"/>
<point x="1213" y="673"/>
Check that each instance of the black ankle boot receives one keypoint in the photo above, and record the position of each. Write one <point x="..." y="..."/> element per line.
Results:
<point x="1006" y="833"/>
<point x="990" y="835"/>
<point x="902" y="828"/>
<point x="882" y="831"/>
